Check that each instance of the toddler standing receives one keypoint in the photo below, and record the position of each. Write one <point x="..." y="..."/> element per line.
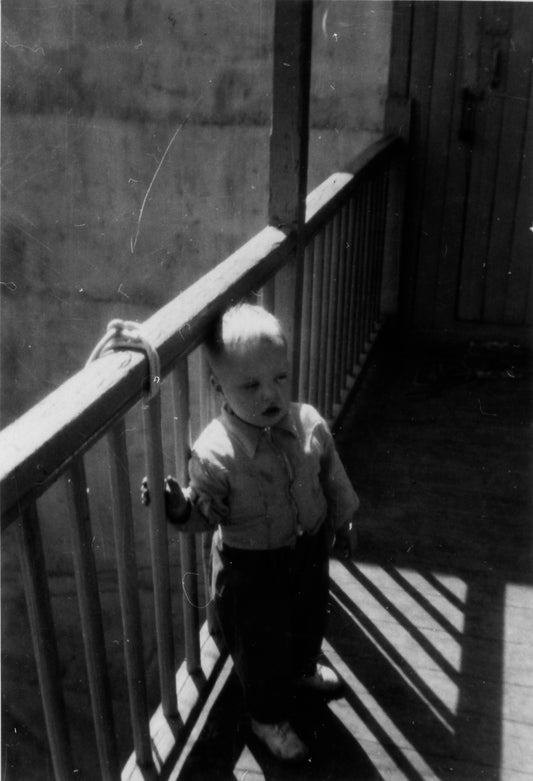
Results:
<point x="266" y="476"/>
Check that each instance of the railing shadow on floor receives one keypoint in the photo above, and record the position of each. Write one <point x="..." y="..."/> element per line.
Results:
<point x="439" y="685"/>
<point x="403" y="713"/>
<point x="422" y="697"/>
<point x="413" y="678"/>
<point x="432" y="621"/>
<point x="430" y="624"/>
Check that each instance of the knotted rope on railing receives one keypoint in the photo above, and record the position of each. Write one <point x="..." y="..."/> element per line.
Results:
<point x="128" y="335"/>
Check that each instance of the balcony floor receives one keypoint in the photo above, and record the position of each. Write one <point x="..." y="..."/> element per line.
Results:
<point x="432" y="622"/>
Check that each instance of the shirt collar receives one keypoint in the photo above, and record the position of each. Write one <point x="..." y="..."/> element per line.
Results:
<point x="250" y="436"/>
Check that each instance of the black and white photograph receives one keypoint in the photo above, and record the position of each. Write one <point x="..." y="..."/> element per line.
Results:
<point x="266" y="431"/>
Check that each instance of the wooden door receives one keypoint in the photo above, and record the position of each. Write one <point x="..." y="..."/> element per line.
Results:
<point x="497" y="247"/>
<point x="465" y="70"/>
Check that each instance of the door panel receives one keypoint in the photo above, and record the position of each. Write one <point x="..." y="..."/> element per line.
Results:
<point x="469" y="202"/>
<point x="496" y="169"/>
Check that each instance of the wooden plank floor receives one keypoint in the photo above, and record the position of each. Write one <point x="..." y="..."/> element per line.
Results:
<point x="432" y="622"/>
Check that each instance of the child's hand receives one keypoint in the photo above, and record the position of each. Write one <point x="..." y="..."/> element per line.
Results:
<point x="145" y="493"/>
<point x="345" y="540"/>
<point x="176" y="504"/>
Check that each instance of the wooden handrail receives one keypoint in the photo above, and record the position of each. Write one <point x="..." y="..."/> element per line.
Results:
<point x="37" y="447"/>
<point x="340" y="285"/>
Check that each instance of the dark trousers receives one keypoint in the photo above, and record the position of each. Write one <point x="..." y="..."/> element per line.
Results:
<point x="272" y="609"/>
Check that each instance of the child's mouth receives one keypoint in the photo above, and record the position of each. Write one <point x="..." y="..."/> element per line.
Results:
<point x="271" y="412"/>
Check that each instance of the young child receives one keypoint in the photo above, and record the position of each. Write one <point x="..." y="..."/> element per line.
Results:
<point x="265" y="474"/>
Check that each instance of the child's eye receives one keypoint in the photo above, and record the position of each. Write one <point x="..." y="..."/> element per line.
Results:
<point x="281" y="378"/>
<point x="252" y="385"/>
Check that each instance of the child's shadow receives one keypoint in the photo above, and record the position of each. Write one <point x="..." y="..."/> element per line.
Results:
<point x="226" y="750"/>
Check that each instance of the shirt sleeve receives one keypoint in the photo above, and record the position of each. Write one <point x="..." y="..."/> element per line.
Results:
<point x="342" y="499"/>
<point x="208" y="490"/>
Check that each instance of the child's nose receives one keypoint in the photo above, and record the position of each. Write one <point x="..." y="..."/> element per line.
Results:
<point x="270" y="392"/>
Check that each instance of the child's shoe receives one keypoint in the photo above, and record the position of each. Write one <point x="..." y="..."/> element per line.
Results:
<point x="323" y="681"/>
<point x="281" y="740"/>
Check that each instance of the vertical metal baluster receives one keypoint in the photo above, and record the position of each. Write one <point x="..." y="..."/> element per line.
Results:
<point x="324" y="314"/>
<point x="35" y="582"/>
<point x="191" y="612"/>
<point x="316" y="317"/>
<point x="91" y="621"/>
<point x="306" y="324"/>
<point x="129" y="595"/>
<point x="151" y="413"/>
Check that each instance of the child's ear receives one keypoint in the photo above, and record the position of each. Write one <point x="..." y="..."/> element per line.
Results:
<point x="215" y="383"/>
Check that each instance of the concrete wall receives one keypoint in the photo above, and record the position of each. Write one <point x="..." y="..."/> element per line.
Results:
<point x="103" y="103"/>
<point x="93" y="94"/>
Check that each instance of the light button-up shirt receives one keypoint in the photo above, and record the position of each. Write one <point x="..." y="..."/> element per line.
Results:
<point x="264" y="487"/>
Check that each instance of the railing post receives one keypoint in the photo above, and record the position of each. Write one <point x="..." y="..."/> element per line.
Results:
<point x="44" y="640"/>
<point x="91" y="621"/>
<point x="329" y="357"/>
<point x="316" y="316"/>
<point x="381" y="230"/>
<point x="129" y="594"/>
<point x="364" y="262"/>
<point x="347" y="362"/>
<point x="289" y="154"/>
<point x="188" y="558"/>
<point x="207" y="412"/>
<point x="342" y="305"/>
<point x="151" y="409"/>
<point x="352" y="283"/>
<point x="306" y="324"/>
<point x="393" y="237"/>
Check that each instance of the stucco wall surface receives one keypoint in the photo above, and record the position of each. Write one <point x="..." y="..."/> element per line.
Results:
<point x="135" y="154"/>
<point x="134" y="158"/>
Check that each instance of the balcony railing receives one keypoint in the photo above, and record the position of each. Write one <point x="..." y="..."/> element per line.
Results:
<point x="339" y="263"/>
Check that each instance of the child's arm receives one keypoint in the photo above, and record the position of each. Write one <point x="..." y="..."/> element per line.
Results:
<point x="179" y="509"/>
<point x="342" y="499"/>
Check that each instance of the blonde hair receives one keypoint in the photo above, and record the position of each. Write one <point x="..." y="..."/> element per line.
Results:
<point x="242" y="325"/>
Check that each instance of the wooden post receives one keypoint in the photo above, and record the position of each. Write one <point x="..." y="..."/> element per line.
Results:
<point x="398" y="105"/>
<point x="157" y="527"/>
<point x="289" y="155"/>
<point x="35" y="582"/>
<point x="119" y="474"/>
<point x="182" y="426"/>
<point x="91" y="621"/>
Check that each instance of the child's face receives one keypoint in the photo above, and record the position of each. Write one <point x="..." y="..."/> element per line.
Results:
<point x="254" y="380"/>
